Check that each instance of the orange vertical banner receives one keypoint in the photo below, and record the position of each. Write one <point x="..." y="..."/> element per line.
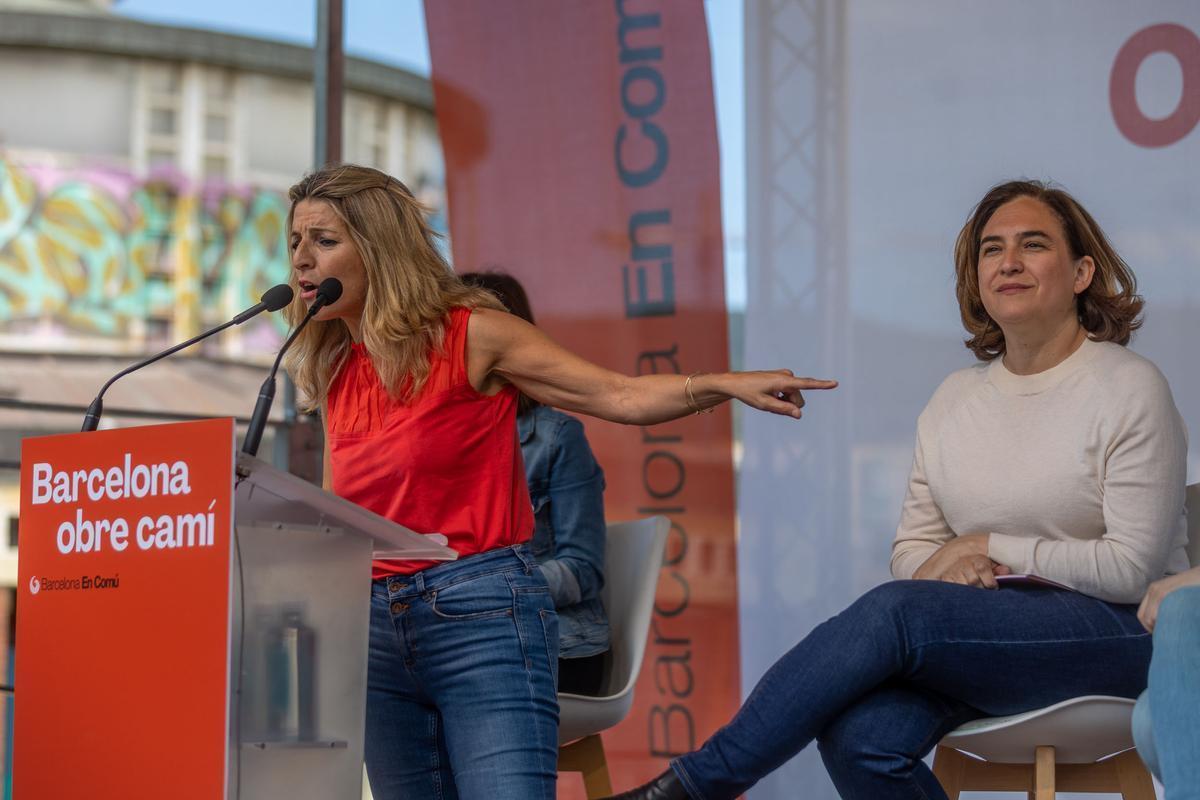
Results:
<point x="581" y="156"/>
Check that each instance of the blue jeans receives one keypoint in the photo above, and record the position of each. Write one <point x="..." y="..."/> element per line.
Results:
<point x="461" y="697"/>
<point x="880" y="684"/>
<point x="1164" y="721"/>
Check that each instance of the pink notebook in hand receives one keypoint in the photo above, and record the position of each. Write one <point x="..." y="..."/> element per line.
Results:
<point x="1027" y="580"/>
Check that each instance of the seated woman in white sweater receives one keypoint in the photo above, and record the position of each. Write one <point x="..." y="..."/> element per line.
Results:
<point x="1063" y="456"/>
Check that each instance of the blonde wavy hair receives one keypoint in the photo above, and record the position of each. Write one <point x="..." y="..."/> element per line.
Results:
<point x="1109" y="309"/>
<point x="410" y="286"/>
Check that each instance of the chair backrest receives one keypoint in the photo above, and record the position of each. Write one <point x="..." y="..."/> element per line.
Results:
<point x="633" y="555"/>
<point x="1193" y="524"/>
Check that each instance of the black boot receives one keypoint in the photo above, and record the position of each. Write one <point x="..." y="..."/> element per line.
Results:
<point x="664" y="787"/>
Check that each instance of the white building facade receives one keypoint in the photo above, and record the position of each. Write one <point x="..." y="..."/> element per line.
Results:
<point x="143" y="179"/>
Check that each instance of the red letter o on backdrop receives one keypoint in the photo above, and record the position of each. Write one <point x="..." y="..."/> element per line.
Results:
<point x="1122" y="91"/>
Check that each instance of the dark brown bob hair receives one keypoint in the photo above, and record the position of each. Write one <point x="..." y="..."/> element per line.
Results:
<point x="1109" y="309"/>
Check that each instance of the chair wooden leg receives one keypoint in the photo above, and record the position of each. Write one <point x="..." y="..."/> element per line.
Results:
<point x="949" y="767"/>
<point x="1044" y="773"/>
<point x="586" y="755"/>
<point x="1133" y="777"/>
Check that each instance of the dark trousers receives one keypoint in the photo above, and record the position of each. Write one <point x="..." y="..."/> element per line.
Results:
<point x="878" y="685"/>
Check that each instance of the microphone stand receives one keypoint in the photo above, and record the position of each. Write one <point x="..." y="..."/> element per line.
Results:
<point x="266" y="394"/>
<point x="273" y="299"/>
<point x="92" y="418"/>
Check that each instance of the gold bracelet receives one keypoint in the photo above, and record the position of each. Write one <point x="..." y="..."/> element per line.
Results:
<point x="690" y="398"/>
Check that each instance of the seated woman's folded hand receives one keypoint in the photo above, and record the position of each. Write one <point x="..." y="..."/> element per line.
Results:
<point x="963" y="560"/>
<point x="974" y="571"/>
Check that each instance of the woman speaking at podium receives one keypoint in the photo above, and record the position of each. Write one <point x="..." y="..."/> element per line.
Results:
<point x="417" y="378"/>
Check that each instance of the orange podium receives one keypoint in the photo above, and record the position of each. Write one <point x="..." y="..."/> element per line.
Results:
<point x="189" y="624"/>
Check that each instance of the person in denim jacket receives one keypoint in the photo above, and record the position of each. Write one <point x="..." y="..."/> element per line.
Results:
<point x="566" y="487"/>
<point x="1164" y="719"/>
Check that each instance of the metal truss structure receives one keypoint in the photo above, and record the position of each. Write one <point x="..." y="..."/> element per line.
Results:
<point x="794" y="488"/>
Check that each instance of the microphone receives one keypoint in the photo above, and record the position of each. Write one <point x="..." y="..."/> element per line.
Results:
<point x="327" y="294"/>
<point x="273" y="299"/>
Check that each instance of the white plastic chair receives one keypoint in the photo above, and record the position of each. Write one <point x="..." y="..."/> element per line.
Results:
<point x="1066" y="747"/>
<point x="1084" y="744"/>
<point x="633" y="555"/>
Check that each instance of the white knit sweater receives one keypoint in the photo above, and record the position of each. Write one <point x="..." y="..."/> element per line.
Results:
<point x="1076" y="473"/>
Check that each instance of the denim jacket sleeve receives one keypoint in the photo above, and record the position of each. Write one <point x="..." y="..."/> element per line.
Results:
<point x="576" y="501"/>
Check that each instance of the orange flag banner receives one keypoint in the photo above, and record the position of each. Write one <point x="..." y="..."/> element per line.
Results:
<point x="581" y="157"/>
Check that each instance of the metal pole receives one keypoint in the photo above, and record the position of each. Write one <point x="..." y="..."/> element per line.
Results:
<point x="299" y="442"/>
<point x="328" y="83"/>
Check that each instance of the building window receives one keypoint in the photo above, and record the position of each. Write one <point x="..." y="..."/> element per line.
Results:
<point x="216" y="166"/>
<point x="158" y="331"/>
<point x="217" y="144"/>
<point x="12" y="531"/>
<point x="162" y="96"/>
<point x="379" y="136"/>
<point x="218" y="84"/>
<point x="163" y="79"/>
<point x="368" y="131"/>
<point x="162" y="121"/>
<point x="216" y="127"/>
<point x="186" y="120"/>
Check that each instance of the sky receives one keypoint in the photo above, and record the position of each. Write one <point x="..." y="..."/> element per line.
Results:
<point x="393" y="31"/>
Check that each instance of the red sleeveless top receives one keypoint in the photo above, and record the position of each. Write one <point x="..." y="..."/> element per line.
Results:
<point x="447" y="462"/>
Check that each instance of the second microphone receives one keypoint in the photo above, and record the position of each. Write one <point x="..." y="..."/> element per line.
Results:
<point x="327" y="293"/>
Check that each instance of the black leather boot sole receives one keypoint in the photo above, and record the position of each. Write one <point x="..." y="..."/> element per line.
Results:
<point x="664" y="787"/>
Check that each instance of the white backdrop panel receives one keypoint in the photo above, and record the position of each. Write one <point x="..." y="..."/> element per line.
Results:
<point x="873" y="127"/>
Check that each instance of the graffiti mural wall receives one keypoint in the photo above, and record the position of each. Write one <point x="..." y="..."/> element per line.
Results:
<point x="100" y="260"/>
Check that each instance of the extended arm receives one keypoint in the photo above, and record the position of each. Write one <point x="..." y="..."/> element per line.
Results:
<point x="502" y="348"/>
